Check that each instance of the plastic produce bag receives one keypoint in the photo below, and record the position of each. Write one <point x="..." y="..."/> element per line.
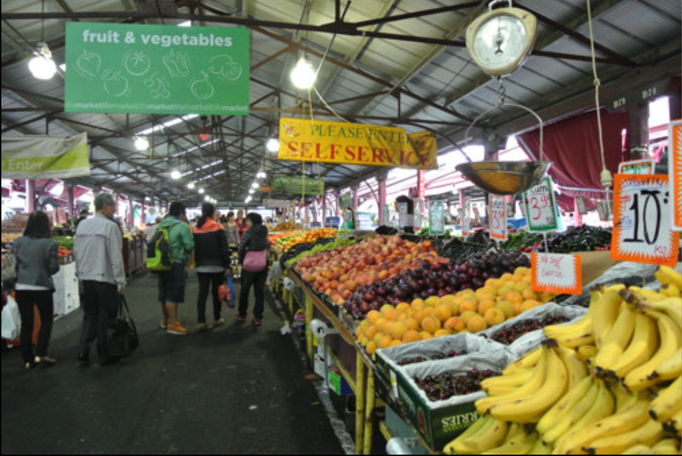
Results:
<point x="11" y="320"/>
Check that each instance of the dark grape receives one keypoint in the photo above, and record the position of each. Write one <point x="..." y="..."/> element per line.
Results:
<point x="445" y="386"/>
<point x="509" y="335"/>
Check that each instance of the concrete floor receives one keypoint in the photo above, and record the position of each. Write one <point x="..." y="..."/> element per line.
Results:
<point x="235" y="390"/>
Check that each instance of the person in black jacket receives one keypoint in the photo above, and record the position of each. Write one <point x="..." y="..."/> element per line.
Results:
<point x="255" y="239"/>
<point x="212" y="261"/>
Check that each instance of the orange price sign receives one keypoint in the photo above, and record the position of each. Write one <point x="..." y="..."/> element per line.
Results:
<point x="675" y="171"/>
<point x="556" y="273"/>
<point x="641" y="220"/>
<point x="498" y="217"/>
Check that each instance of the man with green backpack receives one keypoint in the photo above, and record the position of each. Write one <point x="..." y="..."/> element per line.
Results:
<point x="167" y="256"/>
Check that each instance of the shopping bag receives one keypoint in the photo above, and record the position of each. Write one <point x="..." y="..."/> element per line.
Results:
<point x="9" y="268"/>
<point x="230" y="287"/>
<point x="256" y="261"/>
<point x="123" y="339"/>
<point x="11" y="320"/>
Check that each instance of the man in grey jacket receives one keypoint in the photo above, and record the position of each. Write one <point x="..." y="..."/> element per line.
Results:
<point x="99" y="266"/>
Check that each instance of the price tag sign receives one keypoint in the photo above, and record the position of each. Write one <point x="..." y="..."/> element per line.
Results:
<point x="386" y="214"/>
<point x="645" y="166"/>
<point x="556" y="273"/>
<point x="641" y="220"/>
<point x="675" y="172"/>
<point x="541" y="210"/>
<point x="437" y="218"/>
<point x="498" y="217"/>
<point x="402" y="215"/>
<point x="582" y="206"/>
<point x="465" y="218"/>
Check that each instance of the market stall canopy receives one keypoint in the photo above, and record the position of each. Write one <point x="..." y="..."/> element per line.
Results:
<point x="389" y="63"/>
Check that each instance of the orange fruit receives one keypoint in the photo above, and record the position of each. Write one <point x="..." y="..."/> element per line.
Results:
<point x="420" y="315"/>
<point x="398" y="330"/>
<point x="443" y="312"/>
<point x="452" y="323"/>
<point x="522" y="270"/>
<point x="468" y="306"/>
<point x="466" y="316"/>
<point x="411" y="336"/>
<point x="494" y="317"/>
<point x="514" y="296"/>
<point x="477" y="324"/>
<point x="517" y="277"/>
<point x="389" y="312"/>
<point x="455" y="308"/>
<point x="425" y="335"/>
<point x="386" y="329"/>
<point x="448" y="299"/>
<point x="403" y="307"/>
<point x="371" y="332"/>
<point x="372" y="316"/>
<point x="521" y="287"/>
<point x="432" y="301"/>
<point x="529" y="304"/>
<point x="411" y="323"/>
<point x="485" y="305"/>
<point x="441" y="333"/>
<point x="386" y="341"/>
<point x="377" y="339"/>
<point x="492" y="283"/>
<point x="530" y="294"/>
<point x="431" y="324"/>
<point x="418" y="303"/>
<point x="395" y="343"/>
<point x="507" y="277"/>
<point x="371" y="348"/>
<point x="506" y="307"/>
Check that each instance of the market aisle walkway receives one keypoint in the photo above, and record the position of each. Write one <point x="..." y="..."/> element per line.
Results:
<point x="235" y="390"/>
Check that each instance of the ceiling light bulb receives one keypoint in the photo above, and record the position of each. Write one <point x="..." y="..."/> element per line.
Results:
<point x="190" y="186"/>
<point x="272" y="145"/>
<point x="201" y="190"/>
<point x="261" y="175"/>
<point x="141" y="143"/>
<point x="251" y="191"/>
<point x="42" y="66"/>
<point x="207" y="198"/>
<point x="175" y="174"/>
<point x="303" y="75"/>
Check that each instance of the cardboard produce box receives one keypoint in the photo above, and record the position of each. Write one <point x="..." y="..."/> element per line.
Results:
<point x="388" y="359"/>
<point x="439" y="422"/>
<point x="594" y="264"/>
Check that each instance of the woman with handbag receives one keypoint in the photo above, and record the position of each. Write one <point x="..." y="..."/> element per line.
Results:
<point x="232" y="233"/>
<point x="253" y="257"/>
<point x="37" y="261"/>
<point x="212" y="260"/>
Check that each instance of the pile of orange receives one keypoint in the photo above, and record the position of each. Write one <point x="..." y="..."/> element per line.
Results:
<point x="467" y="311"/>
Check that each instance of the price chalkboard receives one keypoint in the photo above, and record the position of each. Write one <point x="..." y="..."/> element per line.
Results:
<point x="498" y="217"/>
<point x="675" y="172"/>
<point x="641" y="220"/>
<point x="541" y="209"/>
<point x="437" y="218"/>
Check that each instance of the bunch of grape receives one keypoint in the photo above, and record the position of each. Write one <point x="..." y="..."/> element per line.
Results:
<point x="421" y="359"/>
<point x="445" y="386"/>
<point x="508" y="335"/>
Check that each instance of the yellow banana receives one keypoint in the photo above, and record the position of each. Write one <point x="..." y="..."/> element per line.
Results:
<point x="670" y="291"/>
<point x="605" y="313"/>
<point x="670" y="368"/>
<point x="572" y="416"/>
<point x="617" y="339"/>
<point x="668" y="276"/>
<point x="491" y="435"/>
<point x="540" y="447"/>
<point x="666" y="446"/>
<point x="638" y="449"/>
<point x="514" y="431"/>
<point x="493" y="384"/>
<point x="624" y="420"/>
<point x="528" y="408"/>
<point x="575" y="334"/>
<point x="576" y="368"/>
<point x="519" y="445"/>
<point x="471" y="433"/>
<point x="531" y="386"/>
<point x="602" y="407"/>
<point x="528" y="360"/>
<point x="670" y="337"/>
<point x="566" y="403"/>
<point x="674" y="426"/>
<point x="669" y="306"/>
<point x="586" y="352"/>
<point x="668" y="402"/>
<point x="643" y="345"/>
<point x="648" y="434"/>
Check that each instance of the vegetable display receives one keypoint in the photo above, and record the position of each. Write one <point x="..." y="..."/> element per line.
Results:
<point x="522" y="241"/>
<point x="578" y="239"/>
<point x="322" y="245"/>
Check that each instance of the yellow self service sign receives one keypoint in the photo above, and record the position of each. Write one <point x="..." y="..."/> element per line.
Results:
<point x="45" y="157"/>
<point x="355" y="144"/>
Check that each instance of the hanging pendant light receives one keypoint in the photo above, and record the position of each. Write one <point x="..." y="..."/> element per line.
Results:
<point x="175" y="174"/>
<point x="141" y="143"/>
<point x="272" y="145"/>
<point x="190" y="186"/>
<point x="303" y="75"/>
<point x="42" y="66"/>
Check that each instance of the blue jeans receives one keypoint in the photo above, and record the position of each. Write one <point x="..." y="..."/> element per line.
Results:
<point x="172" y="284"/>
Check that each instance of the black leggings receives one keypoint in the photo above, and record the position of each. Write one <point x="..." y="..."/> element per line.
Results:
<point x="257" y="279"/>
<point x="43" y="300"/>
<point x="205" y="281"/>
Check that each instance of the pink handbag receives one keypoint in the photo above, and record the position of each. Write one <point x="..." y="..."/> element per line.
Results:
<point x="256" y="261"/>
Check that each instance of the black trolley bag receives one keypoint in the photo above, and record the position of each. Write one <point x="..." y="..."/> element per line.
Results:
<point x="123" y="339"/>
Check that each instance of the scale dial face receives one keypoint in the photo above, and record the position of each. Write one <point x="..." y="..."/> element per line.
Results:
<point x="499" y="41"/>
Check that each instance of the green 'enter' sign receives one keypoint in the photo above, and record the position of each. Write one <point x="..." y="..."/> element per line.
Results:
<point x="156" y="69"/>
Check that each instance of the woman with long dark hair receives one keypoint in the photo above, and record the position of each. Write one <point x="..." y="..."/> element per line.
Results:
<point x="212" y="260"/>
<point x="37" y="261"/>
<point x="255" y="239"/>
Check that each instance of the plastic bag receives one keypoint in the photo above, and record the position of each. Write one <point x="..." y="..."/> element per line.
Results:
<point x="11" y="319"/>
<point x="230" y="286"/>
<point x="9" y="267"/>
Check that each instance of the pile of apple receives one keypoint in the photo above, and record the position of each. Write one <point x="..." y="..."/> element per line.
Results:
<point x="339" y="273"/>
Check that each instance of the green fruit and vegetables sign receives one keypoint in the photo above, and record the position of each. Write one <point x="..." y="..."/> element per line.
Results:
<point x="156" y="69"/>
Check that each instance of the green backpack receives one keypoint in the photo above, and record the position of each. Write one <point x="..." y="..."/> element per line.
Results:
<point x="159" y="251"/>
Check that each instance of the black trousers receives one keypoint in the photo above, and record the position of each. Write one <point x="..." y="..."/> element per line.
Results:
<point x="257" y="279"/>
<point x="100" y="304"/>
<point x="213" y="281"/>
<point x="43" y="300"/>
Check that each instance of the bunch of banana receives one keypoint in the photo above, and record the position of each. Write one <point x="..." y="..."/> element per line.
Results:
<point x="485" y="434"/>
<point x="528" y="392"/>
<point x="665" y="446"/>
<point x="671" y="280"/>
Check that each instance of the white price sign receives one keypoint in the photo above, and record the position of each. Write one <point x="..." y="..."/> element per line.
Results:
<point x="645" y="166"/>
<point x="386" y="215"/>
<point x="464" y="217"/>
<point x="641" y="220"/>
<point x="402" y="215"/>
<point x="540" y="205"/>
<point x="498" y="217"/>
